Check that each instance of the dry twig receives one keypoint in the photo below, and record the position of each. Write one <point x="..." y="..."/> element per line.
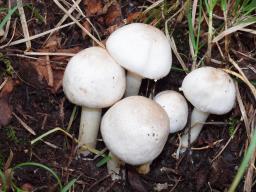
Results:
<point x="24" y="23"/>
<point x="78" y="24"/>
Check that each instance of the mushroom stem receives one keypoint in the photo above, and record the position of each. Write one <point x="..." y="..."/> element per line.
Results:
<point x="113" y="166"/>
<point x="133" y="82"/>
<point x="89" y="127"/>
<point x="197" y="121"/>
<point x="144" y="168"/>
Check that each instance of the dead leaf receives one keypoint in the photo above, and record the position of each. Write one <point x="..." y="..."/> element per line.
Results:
<point x="93" y="7"/>
<point x="134" y="17"/>
<point x="5" y="107"/>
<point x="5" y="111"/>
<point x="57" y="83"/>
<point x="8" y="87"/>
<point x="53" y="42"/>
<point x="40" y="66"/>
<point x="27" y="187"/>
<point x="113" y="15"/>
<point x="111" y="29"/>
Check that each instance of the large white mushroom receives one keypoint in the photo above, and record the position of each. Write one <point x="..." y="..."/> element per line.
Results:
<point x="210" y="91"/>
<point x="93" y="80"/>
<point x="175" y="106"/>
<point x="143" y="50"/>
<point x="135" y="130"/>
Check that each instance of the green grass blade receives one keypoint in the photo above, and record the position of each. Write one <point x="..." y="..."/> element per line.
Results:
<point x="50" y="132"/>
<point x="103" y="161"/>
<point x="69" y="185"/>
<point x="191" y="31"/>
<point x="199" y="27"/>
<point x="244" y="164"/>
<point x="3" y="9"/>
<point x="207" y="6"/>
<point x="223" y="5"/>
<point x="248" y="8"/>
<point x="236" y="5"/>
<point x="29" y="164"/>
<point x="36" y="13"/>
<point x="7" y="17"/>
<point x="3" y="180"/>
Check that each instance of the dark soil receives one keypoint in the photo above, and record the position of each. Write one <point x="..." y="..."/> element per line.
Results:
<point x="43" y="108"/>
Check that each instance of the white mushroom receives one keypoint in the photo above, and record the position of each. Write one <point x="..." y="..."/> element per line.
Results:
<point x="93" y="80"/>
<point x="210" y="90"/>
<point x="175" y="106"/>
<point x="143" y="50"/>
<point x="135" y="130"/>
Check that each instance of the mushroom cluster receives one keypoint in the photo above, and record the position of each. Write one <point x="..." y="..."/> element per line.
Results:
<point x="94" y="78"/>
<point x="135" y="128"/>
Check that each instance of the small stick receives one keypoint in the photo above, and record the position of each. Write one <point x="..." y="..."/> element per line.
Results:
<point x="49" y="72"/>
<point x="24" y="23"/>
<point x="36" y="36"/>
<point x="29" y="129"/>
<point x="78" y="24"/>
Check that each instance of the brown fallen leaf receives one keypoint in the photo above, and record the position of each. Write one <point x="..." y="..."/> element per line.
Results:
<point x="57" y="83"/>
<point x="5" y="112"/>
<point x="93" y="7"/>
<point x="40" y="66"/>
<point x="5" y="107"/>
<point x="113" y="15"/>
<point x="53" y="42"/>
<point x="8" y="88"/>
<point x="27" y="187"/>
<point x="135" y="17"/>
<point x="111" y="29"/>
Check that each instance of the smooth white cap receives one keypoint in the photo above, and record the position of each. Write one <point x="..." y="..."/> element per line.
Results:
<point x="135" y="129"/>
<point x="176" y="107"/>
<point x="141" y="49"/>
<point x="210" y="90"/>
<point x="92" y="78"/>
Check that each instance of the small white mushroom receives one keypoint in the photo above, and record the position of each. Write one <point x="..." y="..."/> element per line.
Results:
<point x="143" y="50"/>
<point x="93" y="80"/>
<point x="210" y="91"/>
<point x="135" y="130"/>
<point x="175" y="106"/>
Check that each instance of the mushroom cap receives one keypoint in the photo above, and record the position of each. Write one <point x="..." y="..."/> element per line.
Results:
<point x="135" y="129"/>
<point x="210" y="90"/>
<point x="92" y="78"/>
<point x="176" y="108"/>
<point x="141" y="49"/>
